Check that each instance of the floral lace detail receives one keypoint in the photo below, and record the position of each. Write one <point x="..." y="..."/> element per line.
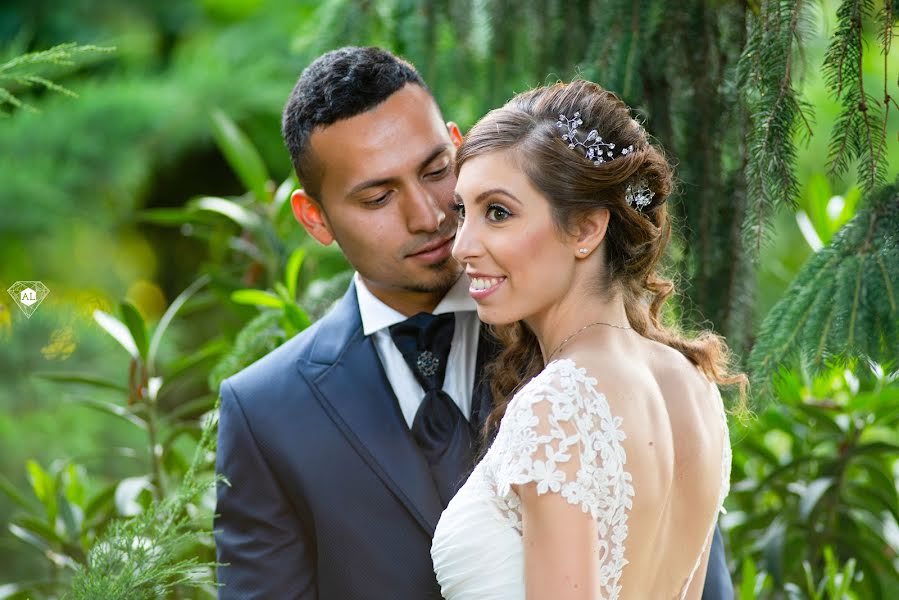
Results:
<point x="559" y="433"/>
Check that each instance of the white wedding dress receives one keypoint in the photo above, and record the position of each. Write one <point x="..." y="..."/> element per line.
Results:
<point x="477" y="549"/>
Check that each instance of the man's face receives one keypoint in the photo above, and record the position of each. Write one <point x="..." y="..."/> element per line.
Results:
<point x="387" y="192"/>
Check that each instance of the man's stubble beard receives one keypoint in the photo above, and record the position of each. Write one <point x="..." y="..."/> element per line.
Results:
<point x="445" y="280"/>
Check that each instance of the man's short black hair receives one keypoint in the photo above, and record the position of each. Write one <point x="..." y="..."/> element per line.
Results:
<point x="338" y="85"/>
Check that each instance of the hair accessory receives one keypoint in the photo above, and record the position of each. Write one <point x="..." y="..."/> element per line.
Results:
<point x="594" y="147"/>
<point x="638" y="195"/>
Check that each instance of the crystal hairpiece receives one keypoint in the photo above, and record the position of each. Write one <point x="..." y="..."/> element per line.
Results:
<point x="639" y="196"/>
<point x="600" y="151"/>
<point x="595" y="148"/>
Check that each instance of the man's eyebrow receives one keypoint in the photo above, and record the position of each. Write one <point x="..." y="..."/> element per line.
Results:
<point x="388" y="180"/>
<point x="370" y="183"/>
<point x="491" y="192"/>
<point x="434" y="154"/>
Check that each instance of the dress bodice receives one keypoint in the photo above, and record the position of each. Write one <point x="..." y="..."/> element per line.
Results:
<point x="558" y="432"/>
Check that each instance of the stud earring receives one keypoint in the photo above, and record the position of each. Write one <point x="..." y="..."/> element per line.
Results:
<point x="583" y="251"/>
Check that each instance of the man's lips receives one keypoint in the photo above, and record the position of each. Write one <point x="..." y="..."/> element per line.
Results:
<point x="431" y="246"/>
<point x="434" y="252"/>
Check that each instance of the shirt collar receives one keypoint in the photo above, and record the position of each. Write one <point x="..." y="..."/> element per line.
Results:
<point x="376" y="315"/>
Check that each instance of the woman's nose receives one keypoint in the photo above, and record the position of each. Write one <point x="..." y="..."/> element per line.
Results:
<point x="466" y="246"/>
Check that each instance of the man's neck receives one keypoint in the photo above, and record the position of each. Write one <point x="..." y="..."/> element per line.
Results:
<point x="406" y="302"/>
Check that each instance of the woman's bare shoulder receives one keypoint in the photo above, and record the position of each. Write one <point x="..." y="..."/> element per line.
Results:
<point x="645" y="369"/>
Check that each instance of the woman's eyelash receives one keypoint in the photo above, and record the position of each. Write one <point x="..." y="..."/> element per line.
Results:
<point x="496" y="210"/>
<point x="457" y="207"/>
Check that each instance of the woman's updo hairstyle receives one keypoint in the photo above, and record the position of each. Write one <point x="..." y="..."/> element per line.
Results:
<point x="527" y="127"/>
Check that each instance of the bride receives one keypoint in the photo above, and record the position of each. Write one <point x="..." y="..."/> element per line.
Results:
<point x="612" y="458"/>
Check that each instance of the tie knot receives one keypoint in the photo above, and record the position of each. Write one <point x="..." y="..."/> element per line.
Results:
<point x="424" y="341"/>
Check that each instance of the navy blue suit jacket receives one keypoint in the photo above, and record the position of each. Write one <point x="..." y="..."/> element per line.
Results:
<point x="328" y="496"/>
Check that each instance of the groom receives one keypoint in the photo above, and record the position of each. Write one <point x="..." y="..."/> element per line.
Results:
<point x="342" y="447"/>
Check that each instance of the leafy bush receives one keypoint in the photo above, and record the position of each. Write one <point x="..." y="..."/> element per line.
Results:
<point x="815" y="474"/>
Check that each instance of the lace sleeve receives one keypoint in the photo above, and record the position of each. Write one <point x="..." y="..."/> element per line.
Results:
<point x="559" y="434"/>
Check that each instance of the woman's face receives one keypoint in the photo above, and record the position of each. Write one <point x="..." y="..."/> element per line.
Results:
<point x="518" y="262"/>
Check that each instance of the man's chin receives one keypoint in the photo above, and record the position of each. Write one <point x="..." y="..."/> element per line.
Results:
<point x="439" y="277"/>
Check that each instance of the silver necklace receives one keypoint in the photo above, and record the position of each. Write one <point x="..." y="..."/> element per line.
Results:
<point x="588" y="326"/>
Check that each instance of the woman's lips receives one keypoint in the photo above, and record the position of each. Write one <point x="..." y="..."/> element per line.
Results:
<point x="482" y="286"/>
<point x="435" y="253"/>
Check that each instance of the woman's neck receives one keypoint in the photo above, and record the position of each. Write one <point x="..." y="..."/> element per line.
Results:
<point x="564" y="320"/>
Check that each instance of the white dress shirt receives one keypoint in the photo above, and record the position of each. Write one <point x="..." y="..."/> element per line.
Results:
<point x="377" y="317"/>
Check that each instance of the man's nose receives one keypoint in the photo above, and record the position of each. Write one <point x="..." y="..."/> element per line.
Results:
<point x="424" y="211"/>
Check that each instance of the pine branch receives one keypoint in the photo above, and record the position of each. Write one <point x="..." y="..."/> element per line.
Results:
<point x="777" y="111"/>
<point x="842" y="305"/>
<point x="860" y="130"/>
<point x="886" y="41"/>
<point x="262" y="334"/>
<point x="144" y="558"/>
<point x="21" y="71"/>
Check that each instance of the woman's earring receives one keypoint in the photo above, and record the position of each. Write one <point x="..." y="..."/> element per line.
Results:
<point x="583" y="251"/>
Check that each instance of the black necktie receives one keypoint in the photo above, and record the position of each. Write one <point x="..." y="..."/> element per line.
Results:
<point x="439" y="427"/>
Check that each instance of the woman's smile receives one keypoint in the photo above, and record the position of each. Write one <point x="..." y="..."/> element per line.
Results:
<point x="482" y="286"/>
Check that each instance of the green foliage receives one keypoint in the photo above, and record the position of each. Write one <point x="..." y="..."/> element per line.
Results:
<point x="151" y="556"/>
<point x="843" y="303"/>
<point x="57" y="519"/>
<point x="25" y="71"/>
<point x="834" y="584"/>
<point x="84" y="539"/>
<point x="241" y="155"/>
<point x="260" y="335"/>
<point x="825" y="211"/>
<point x="816" y="474"/>
<point x="769" y="68"/>
<point x="860" y="132"/>
<point x="777" y="111"/>
<point x="255" y="233"/>
<point x="101" y="156"/>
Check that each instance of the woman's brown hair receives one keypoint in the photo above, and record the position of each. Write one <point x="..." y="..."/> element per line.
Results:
<point x="575" y="186"/>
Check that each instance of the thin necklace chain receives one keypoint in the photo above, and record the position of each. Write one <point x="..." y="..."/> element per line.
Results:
<point x="585" y="327"/>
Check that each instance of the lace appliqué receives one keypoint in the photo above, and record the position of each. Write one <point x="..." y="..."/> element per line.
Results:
<point x="559" y="433"/>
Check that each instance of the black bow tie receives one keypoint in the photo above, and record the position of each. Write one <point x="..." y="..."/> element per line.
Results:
<point x="439" y="427"/>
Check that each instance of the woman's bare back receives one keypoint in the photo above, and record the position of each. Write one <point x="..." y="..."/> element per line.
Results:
<point x="677" y="453"/>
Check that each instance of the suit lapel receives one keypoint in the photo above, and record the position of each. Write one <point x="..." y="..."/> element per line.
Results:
<point x="353" y="389"/>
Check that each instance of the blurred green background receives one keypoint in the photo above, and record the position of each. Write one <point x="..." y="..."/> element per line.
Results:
<point x="168" y="166"/>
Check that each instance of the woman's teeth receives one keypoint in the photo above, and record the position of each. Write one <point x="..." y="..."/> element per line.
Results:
<point x="483" y="283"/>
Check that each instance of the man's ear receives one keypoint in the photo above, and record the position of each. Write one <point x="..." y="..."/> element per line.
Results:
<point x="591" y="232"/>
<point x="454" y="132"/>
<point x="309" y="213"/>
